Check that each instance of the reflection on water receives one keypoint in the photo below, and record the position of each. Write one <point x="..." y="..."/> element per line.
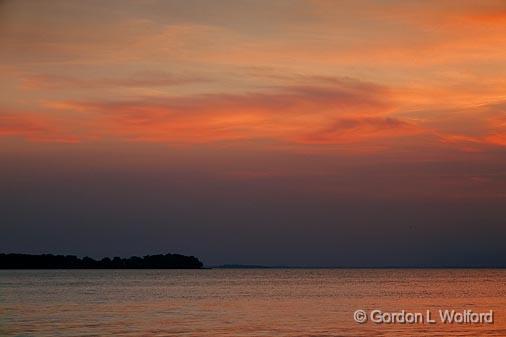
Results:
<point x="271" y="302"/>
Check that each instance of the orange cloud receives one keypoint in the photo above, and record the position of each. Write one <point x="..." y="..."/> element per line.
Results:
<point x="349" y="130"/>
<point x="155" y="79"/>
<point x="336" y="111"/>
<point x="285" y="114"/>
<point x="498" y="139"/>
<point x="34" y="127"/>
<point x="474" y="143"/>
<point x="435" y="61"/>
<point x="485" y="134"/>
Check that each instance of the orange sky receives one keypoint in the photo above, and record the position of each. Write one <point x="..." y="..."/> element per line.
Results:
<point x="294" y="72"/>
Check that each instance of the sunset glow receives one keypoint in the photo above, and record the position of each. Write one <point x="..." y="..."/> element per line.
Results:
<point x="372" y="102"/>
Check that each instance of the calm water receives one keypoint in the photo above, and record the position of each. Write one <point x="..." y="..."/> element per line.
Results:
<point x="243" y="302"/>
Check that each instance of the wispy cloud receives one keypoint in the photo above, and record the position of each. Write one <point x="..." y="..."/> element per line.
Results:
<point x="281" y="114"/>
<point x="34" y="127"/>
<point x="136" y="80"/>
<point x="350" y="130"/>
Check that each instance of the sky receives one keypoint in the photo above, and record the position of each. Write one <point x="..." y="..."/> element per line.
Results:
<point x="309" y="133"/>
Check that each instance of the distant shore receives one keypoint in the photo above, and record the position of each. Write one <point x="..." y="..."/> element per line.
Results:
<point x="248" y="266"/>
<point x="50" y="261"/>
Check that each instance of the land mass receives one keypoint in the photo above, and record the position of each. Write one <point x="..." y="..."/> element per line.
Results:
<point x="50" y="261"/>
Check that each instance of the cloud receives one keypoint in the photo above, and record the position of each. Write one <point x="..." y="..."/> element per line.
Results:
<point x="349" y="130"/>
<point x="497" y="139"/>
<point x="34" y="127"/>
<point x="325" y="111"/>
<point x="137" y="80"/>
<point x="280" y="114"/>
<point x="492" y="131"/>
<point x="316" y="111"/>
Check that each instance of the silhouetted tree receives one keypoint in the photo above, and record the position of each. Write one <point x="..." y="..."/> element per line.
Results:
<point x="49" y="261"/>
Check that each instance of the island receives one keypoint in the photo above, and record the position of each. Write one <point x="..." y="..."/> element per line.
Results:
<point x="50" y="261"/>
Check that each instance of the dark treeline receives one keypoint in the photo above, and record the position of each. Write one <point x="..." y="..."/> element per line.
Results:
<point x="49" y="261"/>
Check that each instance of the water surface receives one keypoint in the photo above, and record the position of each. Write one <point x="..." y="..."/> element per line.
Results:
<point x="261" y="302"/>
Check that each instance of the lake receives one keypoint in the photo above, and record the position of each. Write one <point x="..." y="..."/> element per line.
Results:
<point x="243" y="302"/>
